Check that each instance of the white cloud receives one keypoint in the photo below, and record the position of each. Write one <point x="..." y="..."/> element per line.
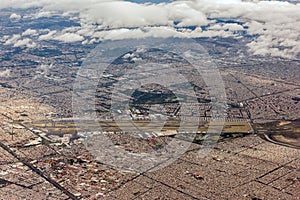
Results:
<point x="29" y="32"/>
<point x="12" y="40"/>
<point x="276" y="23"/>
<point x="25" y="43"/>
<point x="65" y="35"/>
<point x="5" y="73"/>
<point x="69" y="37"/>
<point x="17" y="41"/>
<point x="48" y="36"/>
<point x="15" y="16"/>
<point x="43" y="14"/>
<point x="233" y="27"/>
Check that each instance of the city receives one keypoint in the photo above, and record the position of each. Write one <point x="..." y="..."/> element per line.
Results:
<point x="49" y="128"/>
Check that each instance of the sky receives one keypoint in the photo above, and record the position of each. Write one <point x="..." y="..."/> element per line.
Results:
<point x="275" y="24"/>
<point x="151" y="1"/>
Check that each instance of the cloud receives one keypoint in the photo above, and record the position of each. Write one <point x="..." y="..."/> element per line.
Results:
<point x="43" y="14"/>
<point x="274" y="23"/>
<point x="48" y="36"/>
<point x="233" y="27"/>
<point x="63" y="36"/>
<point x="29" y="32"/>
<point x="69" y="37"/>
<point x="5" y="73"/>
<point x="15" y="16"/>
<point x="17" y="41"/>
<point x="25" y="43"/>
<point x="12" y="40"/>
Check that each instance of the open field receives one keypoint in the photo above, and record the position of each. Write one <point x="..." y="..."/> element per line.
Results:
<point x="65" y="127"/>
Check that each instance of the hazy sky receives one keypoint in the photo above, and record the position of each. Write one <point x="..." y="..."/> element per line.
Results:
<point x="152" y="1"/>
